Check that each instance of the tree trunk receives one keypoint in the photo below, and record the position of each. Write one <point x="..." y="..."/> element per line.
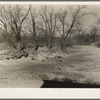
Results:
<point x="20" y="46"/>
<point x="20" y="49"/>
<point x="62" y="43"/>
<point x="50" y="42"/>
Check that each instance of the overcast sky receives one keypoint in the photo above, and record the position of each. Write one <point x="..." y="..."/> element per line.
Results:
<point x="91" y="20"/>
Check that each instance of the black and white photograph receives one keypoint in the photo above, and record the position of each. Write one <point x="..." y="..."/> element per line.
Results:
<point x="49" y="46"/>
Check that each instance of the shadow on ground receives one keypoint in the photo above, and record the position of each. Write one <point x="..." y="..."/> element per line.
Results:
<point x="57" y="84"/>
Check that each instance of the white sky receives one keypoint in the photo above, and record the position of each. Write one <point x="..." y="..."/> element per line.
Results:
<point x="88" y="20"/>
<point x="91" y="20"/>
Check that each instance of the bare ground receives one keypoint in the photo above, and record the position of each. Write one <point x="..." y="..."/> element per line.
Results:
<point x="81" y="65"/>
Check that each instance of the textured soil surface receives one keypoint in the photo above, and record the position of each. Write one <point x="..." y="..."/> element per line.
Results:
<point x="81" y="65"/>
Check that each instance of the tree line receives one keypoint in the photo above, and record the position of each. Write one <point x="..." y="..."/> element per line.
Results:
<point x="46" y="22"/>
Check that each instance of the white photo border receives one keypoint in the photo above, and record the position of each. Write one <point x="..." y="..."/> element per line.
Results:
<point x="41" y="93"/>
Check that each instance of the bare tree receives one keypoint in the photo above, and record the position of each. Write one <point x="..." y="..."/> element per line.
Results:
<point x="62" y="16"/>
<point x="50" y="19"/>
<point x="80" y="35"/>
<point x="3" y="22"/>
<point x="94" y="34"/>
<point x="34" y="27"/>
<point x="14" y="17"/>
<point x="70" y="18"/>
